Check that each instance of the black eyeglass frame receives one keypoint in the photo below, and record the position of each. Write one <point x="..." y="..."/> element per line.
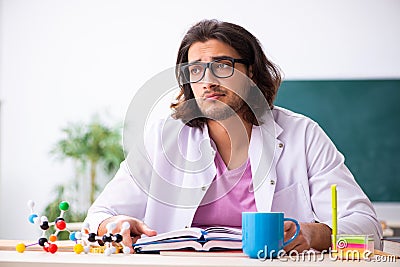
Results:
<point x="185" y="68"/>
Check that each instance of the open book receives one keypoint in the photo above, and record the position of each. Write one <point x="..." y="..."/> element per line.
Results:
<point x="212" y="238"/>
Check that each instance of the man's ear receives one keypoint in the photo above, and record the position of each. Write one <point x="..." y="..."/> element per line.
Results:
<point x="250" y="72"/>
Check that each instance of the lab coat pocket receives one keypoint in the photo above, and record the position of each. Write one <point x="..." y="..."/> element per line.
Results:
<point x="294" y="203"/>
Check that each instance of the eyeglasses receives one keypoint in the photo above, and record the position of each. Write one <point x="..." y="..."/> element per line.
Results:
<point x="220" y="68"/>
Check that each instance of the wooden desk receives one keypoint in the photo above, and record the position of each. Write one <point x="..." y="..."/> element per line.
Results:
<point x="70" y="259"/>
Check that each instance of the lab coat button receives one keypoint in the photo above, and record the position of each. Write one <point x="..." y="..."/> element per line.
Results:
<point x="272" y="182"/>
<point x="204" y="188"/>
<point x="280" y="145"/>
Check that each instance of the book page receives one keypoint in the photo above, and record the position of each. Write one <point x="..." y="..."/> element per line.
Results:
<point x="219" y="232"/>
<point x="222" y="244"/>
<point x="181" y="233"/>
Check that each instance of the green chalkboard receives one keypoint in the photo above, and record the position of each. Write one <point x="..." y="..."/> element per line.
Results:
<point x="362" y="117"/>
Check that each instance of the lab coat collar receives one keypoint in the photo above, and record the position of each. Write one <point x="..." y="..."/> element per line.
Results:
<point x="264" y="153"/>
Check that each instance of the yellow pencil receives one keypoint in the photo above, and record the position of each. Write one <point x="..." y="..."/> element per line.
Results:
<point x="334" y="215"/>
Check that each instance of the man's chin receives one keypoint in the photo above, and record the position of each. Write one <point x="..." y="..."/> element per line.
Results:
<point x="218" y="114"/>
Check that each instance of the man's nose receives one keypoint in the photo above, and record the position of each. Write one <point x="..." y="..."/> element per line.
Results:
<point x="209" y="80"/>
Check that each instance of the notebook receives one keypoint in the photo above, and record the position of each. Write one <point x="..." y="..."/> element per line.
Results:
<point x="391" y="245"/>
<point x="198" y="239"/>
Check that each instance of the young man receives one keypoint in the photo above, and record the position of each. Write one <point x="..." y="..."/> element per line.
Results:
<point x="227" y="149"/>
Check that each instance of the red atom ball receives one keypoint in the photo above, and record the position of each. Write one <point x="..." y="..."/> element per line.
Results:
<point x="53" y="248"/>
<point x="61" y="225"/>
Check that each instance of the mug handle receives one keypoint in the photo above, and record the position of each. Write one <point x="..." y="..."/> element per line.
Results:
<point x="297" y="230"/>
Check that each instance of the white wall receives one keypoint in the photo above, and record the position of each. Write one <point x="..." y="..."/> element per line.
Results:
<point x="63" y="61"/>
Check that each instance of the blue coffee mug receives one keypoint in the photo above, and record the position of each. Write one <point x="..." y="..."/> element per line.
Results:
<point x="262" y="234"/>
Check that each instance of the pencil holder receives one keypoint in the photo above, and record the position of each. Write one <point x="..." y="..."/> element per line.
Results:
<point x="353" y="246"/>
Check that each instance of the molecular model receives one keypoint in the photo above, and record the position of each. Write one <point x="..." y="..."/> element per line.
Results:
<point x="86" y="240"/>
<point x="59" y="224"/>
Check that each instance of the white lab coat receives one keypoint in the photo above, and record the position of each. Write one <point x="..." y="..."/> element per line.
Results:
<point x="304" y="165"/>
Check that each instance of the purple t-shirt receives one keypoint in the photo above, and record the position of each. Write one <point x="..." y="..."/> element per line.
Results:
<point x="230" y="193"/>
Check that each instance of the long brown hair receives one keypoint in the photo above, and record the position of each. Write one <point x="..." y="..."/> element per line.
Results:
<point x="266" y="75"/>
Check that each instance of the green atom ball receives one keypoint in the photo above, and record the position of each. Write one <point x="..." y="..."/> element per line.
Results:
<point x="64" y="206"/>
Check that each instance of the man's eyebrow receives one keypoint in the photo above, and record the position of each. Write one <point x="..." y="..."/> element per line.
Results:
<point x="221" y="57"/>
<point x="213" y="58"/>
<point x="194" y="61"/>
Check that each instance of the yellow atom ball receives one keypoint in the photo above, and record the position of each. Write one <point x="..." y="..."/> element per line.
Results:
<point x="20" y="247"/>
<point x="78" y="249"/>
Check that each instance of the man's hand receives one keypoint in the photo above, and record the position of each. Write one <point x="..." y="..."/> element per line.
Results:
<point x="129" y="237"/>
<point x="311" y="235"/>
